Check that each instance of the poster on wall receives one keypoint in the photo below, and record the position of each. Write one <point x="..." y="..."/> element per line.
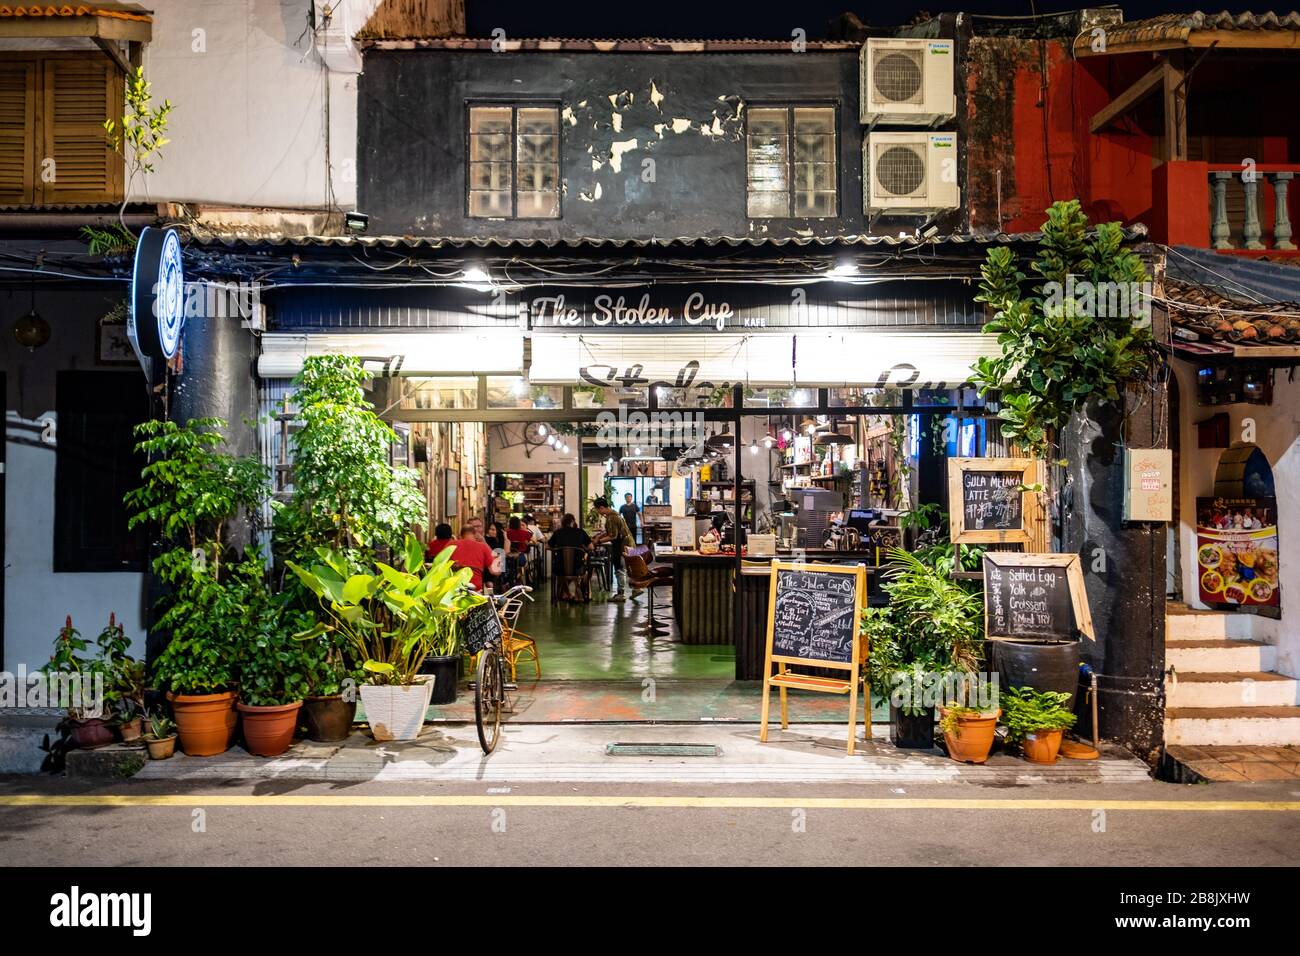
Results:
<point x="1237" y="552"/>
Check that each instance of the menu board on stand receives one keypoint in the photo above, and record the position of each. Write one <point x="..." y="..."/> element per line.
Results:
<point x="812" y="621"/>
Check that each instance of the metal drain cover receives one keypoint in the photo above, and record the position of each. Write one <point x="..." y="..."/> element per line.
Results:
<point x="660" y="750"/>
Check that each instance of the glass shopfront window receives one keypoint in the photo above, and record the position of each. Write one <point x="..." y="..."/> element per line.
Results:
<point x="513" y="391"/>
<point x="440" y="393"/>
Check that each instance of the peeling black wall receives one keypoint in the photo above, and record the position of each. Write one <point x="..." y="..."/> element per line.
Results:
<point x="411" y="140"/>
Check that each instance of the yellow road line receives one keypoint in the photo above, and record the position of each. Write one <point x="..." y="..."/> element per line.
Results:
<point x="597" y="801"/>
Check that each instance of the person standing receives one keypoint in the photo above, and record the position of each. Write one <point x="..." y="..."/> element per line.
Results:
<point x="620" y="538"/>
<point x="631" y="516"/>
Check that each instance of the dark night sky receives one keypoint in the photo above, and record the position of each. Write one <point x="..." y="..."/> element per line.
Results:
<point x="727" y="18"/>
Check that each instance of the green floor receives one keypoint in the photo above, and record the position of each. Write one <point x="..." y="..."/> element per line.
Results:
<point x="601" y="641"/>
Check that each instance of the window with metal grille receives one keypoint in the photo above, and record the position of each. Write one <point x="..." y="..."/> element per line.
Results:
<point x="791" y="159"/>
<point x="514" y="162"/>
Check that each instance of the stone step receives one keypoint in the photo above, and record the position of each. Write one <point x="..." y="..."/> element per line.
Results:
<point x="20" y="740"/>
<point x="1253" y="689"/>
<point x="1188" y="624"/>
<point x="1232" y="726"/>
<point x="1221" y="656"/>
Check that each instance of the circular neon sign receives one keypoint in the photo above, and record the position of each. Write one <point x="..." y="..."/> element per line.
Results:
<point x="158" y="296"/>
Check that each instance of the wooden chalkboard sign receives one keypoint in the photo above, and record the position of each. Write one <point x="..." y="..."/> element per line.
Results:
<point x="813" y="612"/>
<point x="478" y="626"/>
<point x="985" y="503"/>
<point x="1035" y="597"/>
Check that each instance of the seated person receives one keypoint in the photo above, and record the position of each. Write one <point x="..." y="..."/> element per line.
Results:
<point x="441" y="539"/>
<point x="569" y="535"/>
<point x="495" y="536"/>
<point x="518" y="535"/>
<point x="474" y="554"/>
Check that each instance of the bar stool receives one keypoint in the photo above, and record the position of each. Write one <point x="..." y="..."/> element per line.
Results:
<point x="642" y="578"/>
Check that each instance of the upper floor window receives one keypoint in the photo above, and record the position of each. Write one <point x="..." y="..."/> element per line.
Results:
<point x="53" y="148"/>
<point x="514" y="162"/>
<point x="791" y="158"/>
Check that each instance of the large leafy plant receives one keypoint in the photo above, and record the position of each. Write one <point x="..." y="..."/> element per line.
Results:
<point x="192" y="493"/>
<point x="390" y="621"/>
<point x="1058" y="353"/>
<point x="346" y="495"/>
<point x="932" y="629"/>
<point x="275" y="667"/>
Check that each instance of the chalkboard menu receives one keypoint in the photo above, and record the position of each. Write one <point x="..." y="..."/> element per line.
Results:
<point x="991" y="500"/>
<point x="1035" y="596"/>
<point x="478" y="626"/>
<point x="815" y="617"/>
<point x="988" y="503"/>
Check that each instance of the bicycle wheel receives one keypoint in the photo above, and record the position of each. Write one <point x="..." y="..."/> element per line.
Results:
<point x="488" y="694"/>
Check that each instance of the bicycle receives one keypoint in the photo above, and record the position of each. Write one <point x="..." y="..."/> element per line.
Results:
<point x="490" y="684"/>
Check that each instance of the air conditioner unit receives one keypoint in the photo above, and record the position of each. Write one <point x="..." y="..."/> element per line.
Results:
<point x="907" y="82"/>
<point x="908" y="173"/>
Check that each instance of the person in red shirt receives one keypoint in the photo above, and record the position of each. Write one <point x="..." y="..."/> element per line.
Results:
<point x="441" y="539"/>
<point x="474" y="554"/>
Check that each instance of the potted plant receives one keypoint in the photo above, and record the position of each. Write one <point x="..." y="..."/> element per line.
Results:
<point x="968" y="730"/>
<point x="272" y="679"/>
<point x="928" y="634"/>
<point x="81" y="682"/>
<point x="192" y="494"/>
<point x="390" y="622"/>
<point x="1036" y="720"/>
<point x="161" y="739"/>
<point x="331" y="703"/>
<point x="124" y="678"/>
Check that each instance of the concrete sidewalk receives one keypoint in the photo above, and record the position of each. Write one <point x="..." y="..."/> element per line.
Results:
<point x="537" y="753"/>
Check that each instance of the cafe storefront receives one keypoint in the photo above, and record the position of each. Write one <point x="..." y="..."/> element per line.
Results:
<point x="809" y="413"/>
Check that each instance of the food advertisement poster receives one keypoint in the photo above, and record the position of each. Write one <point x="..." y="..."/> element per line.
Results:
<point x="1236" y="551"/>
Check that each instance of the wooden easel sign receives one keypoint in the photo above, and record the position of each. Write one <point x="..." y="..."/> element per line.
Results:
<point x="813" y="612"/>
<point x="1035" y="597"/>
<point x="985" y="505"/>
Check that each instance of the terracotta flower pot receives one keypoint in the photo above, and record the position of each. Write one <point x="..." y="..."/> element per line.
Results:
<point x="1042" y="747"/>
<point x="268" y="731"/>
<point x="396" y="711"/>
<point x="130" y="730"/>
<point x="973" y="738"/>
<point x="328" y="719"/>
<point x="205" y="722"/>
<point x="161" y="749"/>
<point x="91" y="732"/>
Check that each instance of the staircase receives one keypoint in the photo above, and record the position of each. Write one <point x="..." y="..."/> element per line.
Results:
<point x="1221" y="688"/>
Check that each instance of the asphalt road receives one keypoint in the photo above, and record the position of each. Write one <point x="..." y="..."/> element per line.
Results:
<point x="51" y="821"/>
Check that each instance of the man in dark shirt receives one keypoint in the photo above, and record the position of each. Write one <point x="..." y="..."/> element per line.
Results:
<point x="630" y="513"/>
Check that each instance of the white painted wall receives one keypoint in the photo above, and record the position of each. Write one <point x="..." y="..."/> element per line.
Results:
<point x="36" y="599"/>
<point x="257" y="110"/>
<point x="1277" y="433"/>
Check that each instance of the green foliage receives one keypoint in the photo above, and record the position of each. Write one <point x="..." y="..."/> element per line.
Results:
<point x="934" y="547"/>
<point x="953" y="714"/>
<point x="141" y="133"/>
<point x="160" y="726"/>
<point x="932" y="626"/>
<point x="112" y="240"/>
<point x="390" y="621"/>
<point x="275" y="667"/>
<point x="1056" y="359"/>
<point x="345" y="493"/>
<point x="192" y="492"/>
<point x="1027" y="711"/>
<point x="122" y="674"/>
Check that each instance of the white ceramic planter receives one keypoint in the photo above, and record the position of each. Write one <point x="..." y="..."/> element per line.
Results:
<point x="396" y="712"/>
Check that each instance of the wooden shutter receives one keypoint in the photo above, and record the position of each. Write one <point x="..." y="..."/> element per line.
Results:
<point x="17" y="131"/>
<point x="80" y="93"/>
